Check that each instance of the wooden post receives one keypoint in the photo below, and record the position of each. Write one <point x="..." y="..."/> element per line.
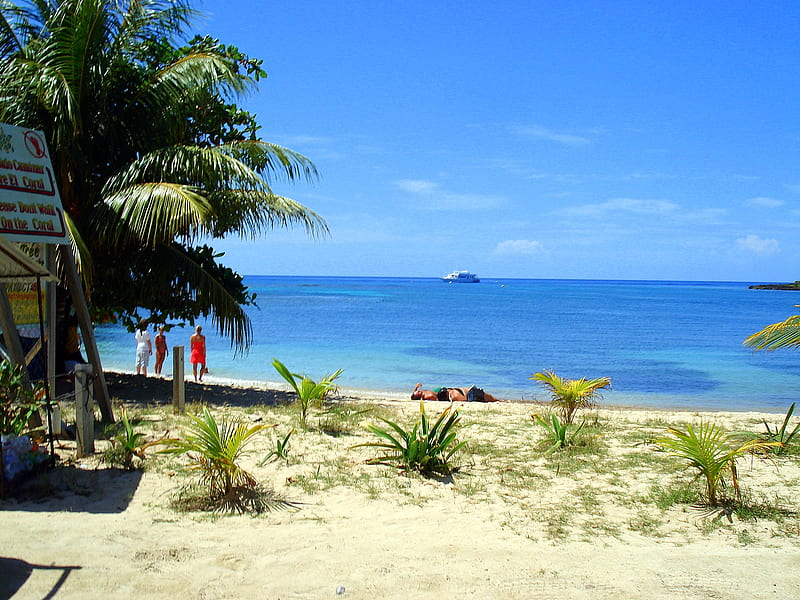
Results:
<point x="84" y="411"/>
<point x="50" y="288"/>
<point x="178" y="383"/>
<point x="89" y="343"/>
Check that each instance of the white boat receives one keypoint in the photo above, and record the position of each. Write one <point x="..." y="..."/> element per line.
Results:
<point x="461" y="277"/>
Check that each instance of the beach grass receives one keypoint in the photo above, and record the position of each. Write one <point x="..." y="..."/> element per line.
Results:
<point x="610" y="515"/>
<point x="613" y="480"/>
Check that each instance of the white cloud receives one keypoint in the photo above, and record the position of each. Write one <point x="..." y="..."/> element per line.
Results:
<point x="758" y="245"/>
<point x="560" y="137"/>
<point x="519" y="247"/>
<point x="622" y="205"/>
<point x="764" y="202"/>
<point x="417" y="186"/>
<point x="438" y="199"/>
<point x="653" y="212"/>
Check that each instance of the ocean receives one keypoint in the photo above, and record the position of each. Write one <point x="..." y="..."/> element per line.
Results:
<point x="667" y="344"/>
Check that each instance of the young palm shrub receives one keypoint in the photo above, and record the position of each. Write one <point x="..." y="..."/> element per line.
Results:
<point x="127" y="444"/>
<point x="281" y="450"/>
<point x="426" y="448"/>
<point x="308" y="391"/>
<point x="557" y="432"/>
<point x="568" y="395"/>
<point x="214" y="451"/>
<point x="782" y="434"/>
<point x="340" y="419"/>
<point x="712" y="452"/>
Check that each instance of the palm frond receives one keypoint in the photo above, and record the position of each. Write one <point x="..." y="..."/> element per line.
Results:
<point x="247" y="213"/>
<point x="153" y="213"/>
<point x="785" y="334"/>
<point x="569" y="395"/>
<point x="10" y="42"/>
<point x="193" y="74"/>
<point x="229" y="317"/>
<point x="272" y="160"/>
<point x="80" y="251"/>
<point x="148" y="19"/>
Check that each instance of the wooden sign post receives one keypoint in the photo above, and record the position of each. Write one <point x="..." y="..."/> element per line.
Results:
<point x="84" y="411"/>
<point x="178" y="383"/>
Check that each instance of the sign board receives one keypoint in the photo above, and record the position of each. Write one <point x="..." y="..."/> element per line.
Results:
<point x="30" y="206"/>
<point x="25" y="296"/>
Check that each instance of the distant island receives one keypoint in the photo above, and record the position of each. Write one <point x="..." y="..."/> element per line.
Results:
<point x="777" y="286"/>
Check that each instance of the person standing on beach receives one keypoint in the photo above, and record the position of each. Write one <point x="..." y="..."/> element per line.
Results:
<point x="161" y="349"/>
<point x="197" y="343"/>
<point x="144" y="348"/>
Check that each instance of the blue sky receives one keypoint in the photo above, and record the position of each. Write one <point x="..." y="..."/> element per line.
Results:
<point x="610" y="140"/>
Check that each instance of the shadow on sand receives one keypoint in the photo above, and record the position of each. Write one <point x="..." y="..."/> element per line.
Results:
<point x="15" y="572"/>
<point x="135" y="389"/>
<point x="73" y="489"/>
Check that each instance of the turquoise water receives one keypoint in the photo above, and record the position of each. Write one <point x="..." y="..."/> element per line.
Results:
<point x="666" y="344"/>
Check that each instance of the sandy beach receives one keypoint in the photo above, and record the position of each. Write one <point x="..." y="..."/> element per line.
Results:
<point x="510" y="523"/>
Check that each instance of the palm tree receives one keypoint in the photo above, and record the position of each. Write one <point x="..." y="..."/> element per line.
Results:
<point x="149" y="153"/>
<point x="785" y="334"/>
<point x="568" y="395"/>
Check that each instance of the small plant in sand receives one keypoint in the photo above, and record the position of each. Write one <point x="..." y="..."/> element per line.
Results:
<point x="127" y="444"/>
<point x="281" y="450"/>
<point x="782" y="435"/>
<point x="712" y="452"/>
<point x="558" y="433"/>
<point x="427" y="447"/>
<point x="309" y="392"/>
<point x="340" y="419"/>
<point x="569" y="395"/>
<point x="214" y="451"/>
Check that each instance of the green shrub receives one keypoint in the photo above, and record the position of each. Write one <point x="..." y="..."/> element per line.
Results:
<point x="19" y="402"/>
<point x="214" y="452"/>
<point x="557" y="433"/>
<point x="782" y="435"/>
<point x="281" y="450"/>
<point x="127" y="444"/>
<point x="426" y="447"/>
<point x="712" y="452"/>
<point x="308" y="391"/>
<point x="569" y="395"/>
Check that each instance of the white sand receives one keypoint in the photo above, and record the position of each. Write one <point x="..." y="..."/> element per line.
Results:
<point x="407" y="538"/>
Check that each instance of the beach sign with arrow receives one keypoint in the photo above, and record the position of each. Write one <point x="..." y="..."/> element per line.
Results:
<point x="30" y="206"/>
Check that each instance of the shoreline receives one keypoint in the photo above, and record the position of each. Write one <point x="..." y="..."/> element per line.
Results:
<point x="239" y="392"/>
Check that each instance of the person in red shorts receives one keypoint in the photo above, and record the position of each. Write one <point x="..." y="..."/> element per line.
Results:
<point x="197" y="343"/>
<point x="161" y="348"/>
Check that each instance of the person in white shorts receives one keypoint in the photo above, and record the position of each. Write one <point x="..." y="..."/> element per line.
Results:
<point x="144" y="348"/>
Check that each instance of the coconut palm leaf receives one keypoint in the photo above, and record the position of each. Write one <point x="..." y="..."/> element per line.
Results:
<point x="228" y="316"/>
<point x="271" y="160"/>
<point x="151" y="213"/>
<point x="785" y="334"/>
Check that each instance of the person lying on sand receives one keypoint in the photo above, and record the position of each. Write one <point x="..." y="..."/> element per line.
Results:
<point x="445" y="394"/>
